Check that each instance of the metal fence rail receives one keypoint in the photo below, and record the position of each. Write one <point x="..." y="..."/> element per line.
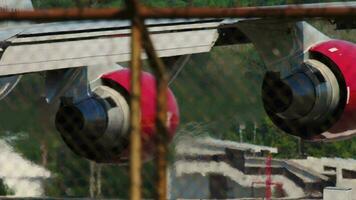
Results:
<point x="292" y="11"/>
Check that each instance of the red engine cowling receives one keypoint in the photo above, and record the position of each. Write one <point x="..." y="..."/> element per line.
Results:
<point x="97" y="128"/>
<point x="318" y="101"/>
<point x="341" y="54"/>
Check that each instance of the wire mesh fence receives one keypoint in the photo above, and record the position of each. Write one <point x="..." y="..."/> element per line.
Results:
<point x="74" y="124"/>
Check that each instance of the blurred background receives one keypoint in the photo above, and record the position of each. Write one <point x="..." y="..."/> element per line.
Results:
<point x="220" y="102"/>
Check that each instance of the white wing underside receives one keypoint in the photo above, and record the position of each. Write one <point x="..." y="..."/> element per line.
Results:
<point x="68" y="45"/>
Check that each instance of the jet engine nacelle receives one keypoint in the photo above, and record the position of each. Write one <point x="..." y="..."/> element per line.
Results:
<point x="97" y="128"/>
<point x="318" y="101"/>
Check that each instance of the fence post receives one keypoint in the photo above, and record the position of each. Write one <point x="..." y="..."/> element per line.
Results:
<point x="159" y="70"/>
<point x="161" y="120"/>
<point x="135" y="107"/>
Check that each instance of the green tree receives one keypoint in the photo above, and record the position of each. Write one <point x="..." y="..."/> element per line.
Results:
<point x="4" y="189"/>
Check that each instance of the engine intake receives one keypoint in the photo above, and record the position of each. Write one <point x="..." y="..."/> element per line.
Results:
<point x="304" y="101"/>
<point x="95" y="128"/>
<point x="316" y="102"/>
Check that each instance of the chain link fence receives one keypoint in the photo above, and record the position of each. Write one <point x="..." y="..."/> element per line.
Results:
<point x="226" y="146"/>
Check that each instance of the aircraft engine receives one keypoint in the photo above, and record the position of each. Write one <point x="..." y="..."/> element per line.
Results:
<point x="318" y="101"/>
<point x="98" y="128"/>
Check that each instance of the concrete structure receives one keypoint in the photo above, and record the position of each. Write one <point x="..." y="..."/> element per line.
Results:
<point x="210" y="146"/>
<point x="334" y="193"/>
<point x="341" y="171"/>
<point x="23" y="177"/>
<point x="210" y="168"/>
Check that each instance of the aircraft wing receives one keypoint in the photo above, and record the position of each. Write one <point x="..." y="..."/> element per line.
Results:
<point x="61" y="45"/>
<point x="76" y="44"/>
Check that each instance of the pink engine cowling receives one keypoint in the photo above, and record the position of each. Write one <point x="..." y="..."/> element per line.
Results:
<point x="148" y="107"/>
<point x="97" y="128"/>
<point x="316" y="102"/>
<point x="341" y="54"/>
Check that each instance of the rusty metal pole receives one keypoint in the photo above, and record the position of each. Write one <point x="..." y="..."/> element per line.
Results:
<point x="162" y="86"/>
<point x="292" y="11"/>
<point x="135" y="133"/>
<point x="159" y="70"/>
<point x="135" y="119"/>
